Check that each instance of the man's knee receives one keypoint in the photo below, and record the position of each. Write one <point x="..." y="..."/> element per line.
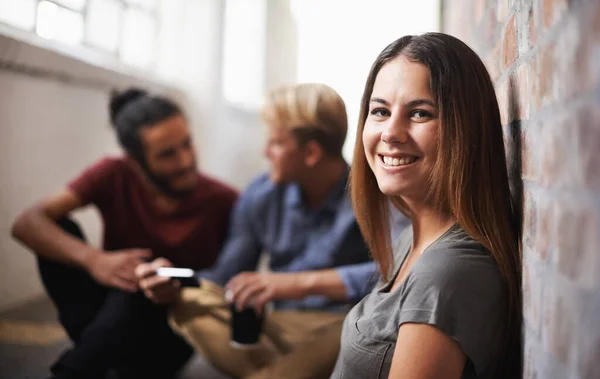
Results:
<point x="196" y="303"/>
<point x="51" y="270"/>
<point x="313" y="358"/>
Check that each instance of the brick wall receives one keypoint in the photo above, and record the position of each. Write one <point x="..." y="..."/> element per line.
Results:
<point x="544" y="58"/>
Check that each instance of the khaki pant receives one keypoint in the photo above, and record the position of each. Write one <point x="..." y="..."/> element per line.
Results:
<point x="294" y="344"/>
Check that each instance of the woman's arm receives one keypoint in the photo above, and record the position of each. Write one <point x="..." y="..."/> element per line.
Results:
<point x="425" y="352"/>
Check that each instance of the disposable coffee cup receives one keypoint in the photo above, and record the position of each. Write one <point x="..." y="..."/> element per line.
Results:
<point x="246" y="327"/>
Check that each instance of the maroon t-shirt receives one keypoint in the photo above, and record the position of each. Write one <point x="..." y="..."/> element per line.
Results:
<point x="191" y="236"/>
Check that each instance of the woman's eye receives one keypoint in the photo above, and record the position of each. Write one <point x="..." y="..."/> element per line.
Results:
<point x="420" y="114"/>
<point x="380" y="112"/>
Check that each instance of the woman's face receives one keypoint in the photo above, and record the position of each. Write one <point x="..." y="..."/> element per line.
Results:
<point x="400" y="132"/>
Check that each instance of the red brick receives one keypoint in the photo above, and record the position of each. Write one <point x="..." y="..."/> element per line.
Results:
<point x="479" y="10"/>
<point x="557" y="147"/>
<point x="545" y="228"/>
<point x="588" y="360"/>
<point x="594" y="29"/>
<point x="570" y="58"/>
<point x="490" y="26"/>
<point x="547" y="312"/>
<point x="508" y="142"/>
<point x="529" y="371"/>
<point x="454" y="21"/>
<point x="502" y="97"/>
<point x="530" y="168"/>
<point x="577" y="243"/>
<point x="546" y="71"/>
<point x="552" y="11"/>
<point x="588" y="143"/>
<point x="502" y="10"/>
<point x="522" y="19"/>
<point x="511" y="136"/>
<point x="513" y="98"/>
<point x="562" y="318"/>
<point x="521" y="85"/>
<point x="532" y="25"/>
<point x="492" y="61"/>
<point x="585" y="66"/>
<point x="532" y="298"/>
<point x="509" y="44"/>
<point x="529" y="220"/>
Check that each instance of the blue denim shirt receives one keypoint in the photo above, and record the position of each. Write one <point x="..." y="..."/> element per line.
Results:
<point x="274" y="218"/>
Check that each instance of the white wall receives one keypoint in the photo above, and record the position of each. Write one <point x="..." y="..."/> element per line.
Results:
<point x="49" y="131"/>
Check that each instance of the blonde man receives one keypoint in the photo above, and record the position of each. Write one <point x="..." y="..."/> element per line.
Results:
<point x="301" y="215"/>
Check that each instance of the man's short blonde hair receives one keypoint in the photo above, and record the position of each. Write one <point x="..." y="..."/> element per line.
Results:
<point x="312" y="111"/>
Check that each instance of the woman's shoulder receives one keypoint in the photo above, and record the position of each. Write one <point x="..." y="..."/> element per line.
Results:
<point x="457" y="246"/>
<point x="459" y="261"/>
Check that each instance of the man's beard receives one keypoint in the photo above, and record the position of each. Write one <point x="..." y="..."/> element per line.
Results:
<point x="163" y="184"/>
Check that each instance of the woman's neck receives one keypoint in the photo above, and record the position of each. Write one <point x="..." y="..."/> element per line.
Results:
<point x="429" y="224"/>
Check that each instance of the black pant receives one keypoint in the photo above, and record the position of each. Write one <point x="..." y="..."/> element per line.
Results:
<point x="110" y="329"/>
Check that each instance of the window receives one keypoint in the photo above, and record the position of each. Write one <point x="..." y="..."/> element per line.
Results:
<point x="125" y="29"/>
<point x="138" y="36"/>
<point x="59" y="23"/>
<point x="76" y="5"/>
<point x="244" y="52"/>
<point x="148" y="4"/>
<point x="18" y="13"/>
<point x="101" y="14"/>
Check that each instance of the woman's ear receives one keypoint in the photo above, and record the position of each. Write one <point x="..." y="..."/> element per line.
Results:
<point x="313" y="153"/>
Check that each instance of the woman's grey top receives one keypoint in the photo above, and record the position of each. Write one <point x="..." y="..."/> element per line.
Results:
<point x="455" y="285"/>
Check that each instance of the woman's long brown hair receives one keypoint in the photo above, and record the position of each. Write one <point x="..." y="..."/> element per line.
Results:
<point x="469" y="179"/>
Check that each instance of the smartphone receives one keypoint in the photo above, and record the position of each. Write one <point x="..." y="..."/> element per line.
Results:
<point x="186" y="276"/>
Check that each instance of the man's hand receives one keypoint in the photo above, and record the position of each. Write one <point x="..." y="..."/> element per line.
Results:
<point x="116" y="268"/>
<point x="256" y="289"/>
<point x="159" y="289"/>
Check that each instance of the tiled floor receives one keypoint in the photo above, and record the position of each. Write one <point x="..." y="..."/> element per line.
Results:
<point x="31" y="339"/>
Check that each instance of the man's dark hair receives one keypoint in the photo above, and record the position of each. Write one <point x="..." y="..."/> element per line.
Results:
<point x="134" y="109"/>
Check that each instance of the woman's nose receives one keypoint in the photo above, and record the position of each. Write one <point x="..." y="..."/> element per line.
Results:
<point x="395" y="131"/>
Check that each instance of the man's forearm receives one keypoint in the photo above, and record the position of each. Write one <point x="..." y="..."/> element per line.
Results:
<point x="42" y="235"/>
<point x="323" y="282"/>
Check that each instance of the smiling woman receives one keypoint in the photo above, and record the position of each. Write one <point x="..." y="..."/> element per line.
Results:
<point x="400" y="132"/>
<point x="429" y="139"/>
